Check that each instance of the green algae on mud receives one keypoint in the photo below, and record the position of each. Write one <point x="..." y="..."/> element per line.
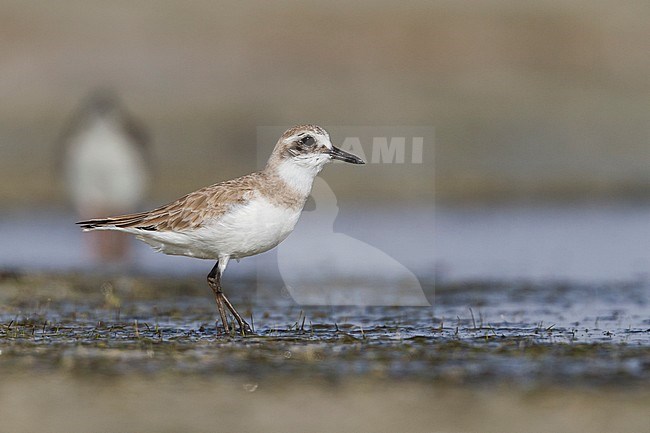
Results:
<point x="475" y="334"/>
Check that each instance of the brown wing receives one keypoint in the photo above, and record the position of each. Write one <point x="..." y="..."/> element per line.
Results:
<point x="188" y="212"/>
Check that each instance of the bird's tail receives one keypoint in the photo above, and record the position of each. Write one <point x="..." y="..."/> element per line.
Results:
<point x="113" y="223"/>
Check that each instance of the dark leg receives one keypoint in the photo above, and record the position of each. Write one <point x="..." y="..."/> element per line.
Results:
<point x="245" y="327"/>
<point x="214" y="281"/>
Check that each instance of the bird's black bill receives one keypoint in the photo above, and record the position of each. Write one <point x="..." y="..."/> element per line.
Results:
<point x="342" y="155"/>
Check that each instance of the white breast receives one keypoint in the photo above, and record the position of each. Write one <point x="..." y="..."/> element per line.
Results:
<point x="253" y="228"/>
<point x="243" y="231"/>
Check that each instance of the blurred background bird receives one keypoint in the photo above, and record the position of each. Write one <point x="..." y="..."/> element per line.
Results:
<point x="105" y="164"/>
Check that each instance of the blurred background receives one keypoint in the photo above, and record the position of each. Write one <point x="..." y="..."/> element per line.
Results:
<point x="541" y="115"/>
<point x="528" y="214"/>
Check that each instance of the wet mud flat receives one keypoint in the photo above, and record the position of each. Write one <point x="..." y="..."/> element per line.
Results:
<point x="482" y="352"/>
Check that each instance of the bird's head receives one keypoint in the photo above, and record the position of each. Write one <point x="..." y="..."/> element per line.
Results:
<point x="309" y="146"/>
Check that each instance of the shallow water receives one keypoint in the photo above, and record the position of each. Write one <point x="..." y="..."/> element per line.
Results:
<point x="580" y="243"/>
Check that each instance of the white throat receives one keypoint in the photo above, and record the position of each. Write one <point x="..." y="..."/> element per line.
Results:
<point x="297" y="176"/>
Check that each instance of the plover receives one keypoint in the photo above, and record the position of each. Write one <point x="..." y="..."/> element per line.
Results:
<point x="240" y="217"/>
<point x="104" y="161"/>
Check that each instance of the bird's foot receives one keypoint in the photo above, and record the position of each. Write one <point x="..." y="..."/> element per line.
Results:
<point x="243" y="329"/>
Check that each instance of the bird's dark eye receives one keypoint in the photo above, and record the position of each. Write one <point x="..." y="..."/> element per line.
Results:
<point x="307" y="140"/>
